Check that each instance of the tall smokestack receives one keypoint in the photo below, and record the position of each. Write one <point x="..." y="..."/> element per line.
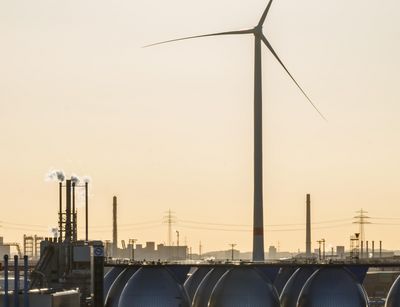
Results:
<point x="87" y="211"/>
<point x="68" y="212"/>
<point x="60" y="213"/>
<point x="115" y="230"/>
<point x="74" y="217"/>
<point x="308" y="226"/>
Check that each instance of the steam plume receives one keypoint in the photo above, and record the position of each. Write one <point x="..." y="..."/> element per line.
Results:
<point x="55" y="175"/>
<point x="75" y="179"/>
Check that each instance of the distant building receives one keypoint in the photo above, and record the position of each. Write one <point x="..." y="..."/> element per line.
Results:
<point x="272" y="252"/>
<point x="4" y="248"/>
<point x="150" y="253"/>
<point x="340" y="252"/>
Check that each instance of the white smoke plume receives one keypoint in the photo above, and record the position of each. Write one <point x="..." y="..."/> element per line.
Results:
<point x="75" y="179"/>
<point x="53" y="231"/>
<point x="86" y="179"/>
<point x="55" y="175"/>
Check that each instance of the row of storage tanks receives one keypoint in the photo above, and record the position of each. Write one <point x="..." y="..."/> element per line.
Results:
<point x="239" y="286"/>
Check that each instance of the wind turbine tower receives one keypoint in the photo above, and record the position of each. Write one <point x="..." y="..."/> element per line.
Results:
<point x="259" y="39"/>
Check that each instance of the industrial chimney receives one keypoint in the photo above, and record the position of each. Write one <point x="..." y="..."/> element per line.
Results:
<point x="68" y="221"/>
<point x="308" y="227"/>
<point x="115" y="230"/>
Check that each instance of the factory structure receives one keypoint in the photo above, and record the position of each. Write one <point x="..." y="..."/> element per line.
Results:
<point x="139" y="252"/>
<point x="68" y="271"/>
<point x="82" y="273"/>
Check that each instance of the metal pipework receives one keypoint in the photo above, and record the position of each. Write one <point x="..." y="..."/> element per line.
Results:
<point x="16" y="282"/>
<point x="60" y="213"/>
<point x="26" y="283"/>
<point x="87" y="211"/>
<point x="373" y="249"/>
<point x="6" y="298"/>
<point x="74" y="215"/>
<point x="68" y="212"/>
<point x="362" y="249"/>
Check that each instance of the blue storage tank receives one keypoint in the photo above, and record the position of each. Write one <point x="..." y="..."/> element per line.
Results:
<point x="153" y="287"/>
<point x="109" y="279"/>
<point x="244" y="287"/>
<point x="332" y="287"/>
<point x="194" y="280"/>
<point x="393" y="298"/>
<point x="204" y="290"/>
<point x="114" y="294"/>
<point x="292" y="289"/>
<point x="282" y="278"/>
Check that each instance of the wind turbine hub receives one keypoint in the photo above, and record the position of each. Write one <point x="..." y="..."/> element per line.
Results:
<point x="258" y="30"/>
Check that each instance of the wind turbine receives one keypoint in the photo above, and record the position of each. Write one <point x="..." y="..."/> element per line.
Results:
<point x="259" y="38"/>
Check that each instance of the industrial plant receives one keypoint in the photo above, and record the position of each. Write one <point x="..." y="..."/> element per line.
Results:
<point x="66" y="270"/>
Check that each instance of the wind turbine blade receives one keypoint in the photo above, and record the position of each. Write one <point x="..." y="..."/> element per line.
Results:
<point x="249" y="31"/>
<point x="266" y="42"/>
<point x="264" y="15"/>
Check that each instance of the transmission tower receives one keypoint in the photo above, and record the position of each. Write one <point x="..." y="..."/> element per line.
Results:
<point x="361" y="219"/>
<point x="169" y="219"/>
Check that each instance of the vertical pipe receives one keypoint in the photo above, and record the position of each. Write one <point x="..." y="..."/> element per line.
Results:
<point x="35" y="245"/>
<point x="68" y="228"/>
<point x="87" y="211"/>
<point x="68" y="212"/>
<point x="319" y="250"/>
<point x="308" y="226"/>
<point x="366" y="249"/>
<point x="24" y="246"/>
<point x="26" y="284"/>
<point x="380" y="249"/>
<point x="373" y="249"/>
<point x="60" y="213"/>
<point x="16" y="282"/>
<point x="115" y="230"/>
<point x="6" y="298"/>
<point x="362" y="249"/>
<point x="98" y="275"/>
<point x="258" y="215"/>
<point x="74" y="235"/>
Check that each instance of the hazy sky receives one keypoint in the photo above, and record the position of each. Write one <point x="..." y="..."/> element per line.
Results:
<point x="171" y="126"/>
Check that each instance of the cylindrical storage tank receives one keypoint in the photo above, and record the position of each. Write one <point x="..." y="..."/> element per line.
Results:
<point x="204" y="290"/>
<point x="153" y="287"/>
<point x="333" y="287"/>
<point x="292" y="289"/>
<point x="193" y="282"/>
<point x="393" y="298"/>
<point x="114" y="294"/>
<point x="244" y="287"/>
<point x="282" y="278"/>
<point x="109" y="279"/>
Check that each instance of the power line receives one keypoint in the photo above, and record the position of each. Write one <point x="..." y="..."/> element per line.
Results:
<point x="385" y="218"/>
<point x="266" y="225"/>
<point x="249" y="230"/>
